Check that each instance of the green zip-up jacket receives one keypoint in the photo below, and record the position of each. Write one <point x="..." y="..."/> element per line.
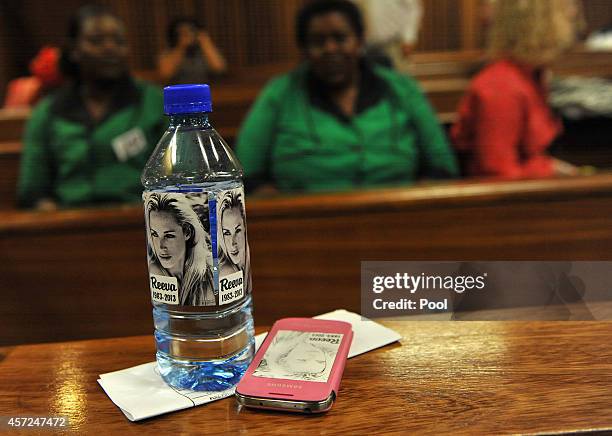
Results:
<point x="294" y="139"/>
<point x="68" y="158"/>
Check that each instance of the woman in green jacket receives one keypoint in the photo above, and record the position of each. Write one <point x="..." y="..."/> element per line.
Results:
<point x="336" y="123"/>
<point x="88" y="142"/>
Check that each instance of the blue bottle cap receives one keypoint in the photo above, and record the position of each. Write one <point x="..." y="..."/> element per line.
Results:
<point x="185" y="99"/>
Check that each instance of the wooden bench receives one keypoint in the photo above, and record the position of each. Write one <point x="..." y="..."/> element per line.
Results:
<point x="82" y="273"/>
<point x="464" y="64"/>
<point x="231" y="104"/>
<point x="443" y="76"/>
<point x="10" y="153"/>
<point x="12" y="123"/>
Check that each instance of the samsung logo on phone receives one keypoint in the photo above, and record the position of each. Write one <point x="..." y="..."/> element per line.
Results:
<point x="284" y="385"/>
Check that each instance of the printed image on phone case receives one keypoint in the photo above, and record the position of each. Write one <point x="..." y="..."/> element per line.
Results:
<point x="298" y="355"/>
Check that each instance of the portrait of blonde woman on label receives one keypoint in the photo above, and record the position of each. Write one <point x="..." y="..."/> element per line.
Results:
<point x="232" y="240"/>
<point x="179" y="247"/>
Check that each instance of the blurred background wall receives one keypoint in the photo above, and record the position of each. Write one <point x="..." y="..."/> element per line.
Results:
<point x="249" y="32"/>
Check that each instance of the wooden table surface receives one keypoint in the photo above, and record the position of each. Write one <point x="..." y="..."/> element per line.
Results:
<point x="460" y="377"/>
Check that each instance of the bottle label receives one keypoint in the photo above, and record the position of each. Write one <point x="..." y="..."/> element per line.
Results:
<point x="197" y="247"/>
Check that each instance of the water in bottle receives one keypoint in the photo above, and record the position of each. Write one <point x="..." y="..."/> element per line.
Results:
<point x="197" y="249"/>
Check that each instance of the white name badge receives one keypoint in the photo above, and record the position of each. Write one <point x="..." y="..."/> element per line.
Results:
<point x="129" y="144"/>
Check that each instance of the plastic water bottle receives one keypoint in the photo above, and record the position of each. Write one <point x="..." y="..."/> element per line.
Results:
<point x="197" y="249"/>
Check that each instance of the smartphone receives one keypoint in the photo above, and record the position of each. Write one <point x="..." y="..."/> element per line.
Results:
<point x="298" y="367"/>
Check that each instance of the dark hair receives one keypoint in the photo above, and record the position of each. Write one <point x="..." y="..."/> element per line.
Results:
<point x="75" y="27"/>
<point x="172" y="33"/>
<point x="322" y="7"/>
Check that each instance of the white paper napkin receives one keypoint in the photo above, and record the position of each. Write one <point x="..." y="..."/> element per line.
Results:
<point x="141" y="393"/>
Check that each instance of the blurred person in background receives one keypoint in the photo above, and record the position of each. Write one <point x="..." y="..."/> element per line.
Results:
<point x="88" y="142"/>
<point x="505" y="123"/>
<point x="191" y="56"/>
<point x="392" y="30"/>
<point x="24" y="92"/>
<point x="337" y="123"/>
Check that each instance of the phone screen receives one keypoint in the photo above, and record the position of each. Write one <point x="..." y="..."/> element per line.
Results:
<point x="299" y="355"/>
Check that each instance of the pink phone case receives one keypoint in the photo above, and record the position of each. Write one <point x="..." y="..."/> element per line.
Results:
<point x="298" y="390"/>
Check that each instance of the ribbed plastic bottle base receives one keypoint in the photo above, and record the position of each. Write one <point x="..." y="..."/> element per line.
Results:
<point x="209" y="375"/>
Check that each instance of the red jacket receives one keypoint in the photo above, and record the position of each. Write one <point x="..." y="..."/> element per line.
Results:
<point x="505" y="124"/>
